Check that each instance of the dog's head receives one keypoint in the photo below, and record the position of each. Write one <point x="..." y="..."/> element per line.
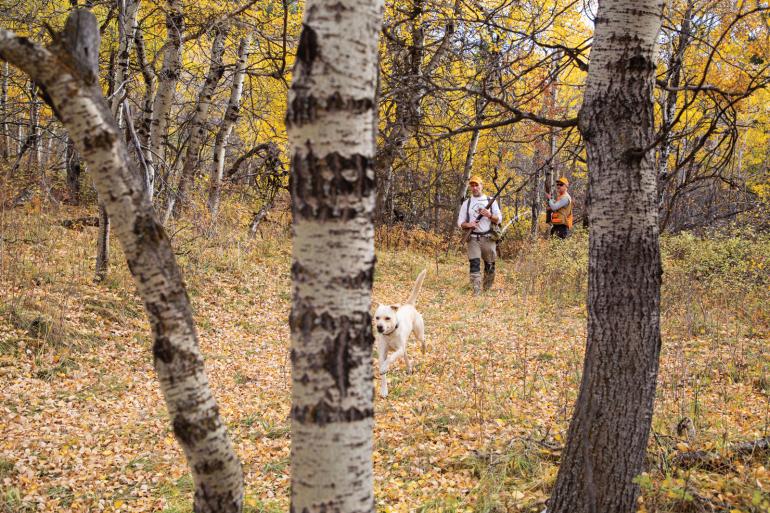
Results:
<point x="385" y="318"/>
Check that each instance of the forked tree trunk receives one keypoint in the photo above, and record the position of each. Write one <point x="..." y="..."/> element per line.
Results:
<point x="331" y="123"/>
<point x="230" y="117"/>
<point x="75" y="92"/>
<point x="607" y="439"/>
<point x="197" y="125"/>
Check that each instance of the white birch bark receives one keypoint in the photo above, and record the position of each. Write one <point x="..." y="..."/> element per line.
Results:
<point x="34" y="128"/>
<point x="127" y="11"/>
<point x="331" y="122"/>
<point x="230" y="117"/>
<point x="167" y="80"/>
<point x="198" y="122"/>
<point x="607" y="439"/>
<point x="75" y="93"/>
<point x="4" y="153"/>
<point x="148" y="75"/>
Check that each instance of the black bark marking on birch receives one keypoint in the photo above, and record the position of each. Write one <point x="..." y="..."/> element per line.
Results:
<point x="317" y="197"/>
<point x="102" y="140"/>
<point x="193" y="432"/>
<point x="364" y="278"/>
<point x="305" y="108"/>
<point x="638" y="63"/>
<point x="324" y="413"/>
<point x="162" y="349"/>
<point x="209" y="466"/>
<point x="148" y="230"/>
<point x="307" y="50"/>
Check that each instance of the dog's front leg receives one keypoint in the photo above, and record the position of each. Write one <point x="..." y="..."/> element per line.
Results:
<point x="381" y="349"/>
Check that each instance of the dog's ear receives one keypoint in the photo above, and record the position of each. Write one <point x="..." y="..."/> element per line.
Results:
<point x="395" y="307"/>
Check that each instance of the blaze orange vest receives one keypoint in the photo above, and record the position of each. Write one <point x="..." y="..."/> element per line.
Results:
<point x="564" y="214"/>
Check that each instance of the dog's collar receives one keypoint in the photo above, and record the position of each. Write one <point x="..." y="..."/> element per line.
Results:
<point x="391" y="331"/>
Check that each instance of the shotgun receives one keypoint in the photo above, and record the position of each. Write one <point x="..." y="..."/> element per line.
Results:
<point x="468" y="231"/>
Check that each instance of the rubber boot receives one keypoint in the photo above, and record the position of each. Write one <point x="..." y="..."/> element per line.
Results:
<point x="489" y="279"/>
<point x="476" y="283"/>
<point x="489" y="275"/>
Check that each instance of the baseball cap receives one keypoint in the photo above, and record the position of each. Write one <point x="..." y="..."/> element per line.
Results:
<point x="476" y="179"/>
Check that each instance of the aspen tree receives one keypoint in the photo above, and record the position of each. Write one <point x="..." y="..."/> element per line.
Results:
<point x="607" y="439"/>
<point x="331" y="121"/>
<point x="66" y="72"/>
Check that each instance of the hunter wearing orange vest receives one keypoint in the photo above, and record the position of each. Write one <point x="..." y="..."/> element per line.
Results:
<point x="561" y="209"/>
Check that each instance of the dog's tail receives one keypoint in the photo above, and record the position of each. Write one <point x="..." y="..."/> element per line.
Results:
<point x="416" y="289"/>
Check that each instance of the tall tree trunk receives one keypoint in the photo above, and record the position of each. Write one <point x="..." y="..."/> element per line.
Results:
<point x="607" y="439"/>
<point x="331" y="122"/>
<point x="74" y="169"/>
<point x="33" y="136"/>
<point x="149" y="78"/>
<point x="167" y="80"/>
<point x="127" y="10"/>
<point x="198" y="123"/>
<point x="4" y="145"/>
<point x="230" y="117"/>
<point x="102" y="244"/>
<point x="75" y="92"/>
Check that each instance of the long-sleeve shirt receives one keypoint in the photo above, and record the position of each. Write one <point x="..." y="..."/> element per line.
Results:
<point x="476" y="204"/>
<point x="560" y="203"/>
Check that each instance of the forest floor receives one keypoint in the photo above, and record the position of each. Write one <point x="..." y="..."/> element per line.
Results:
<point x="478" y="425"/>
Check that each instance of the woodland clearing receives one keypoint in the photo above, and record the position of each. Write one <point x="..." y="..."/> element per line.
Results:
<point x="476" y="427"/>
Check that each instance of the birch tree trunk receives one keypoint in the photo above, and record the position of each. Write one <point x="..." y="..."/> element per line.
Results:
<point x="127" y="10"/>
<point x="149" y="78"/>
<point x="230" y="117"/>
<point x="167" y="80"/>
<point x="607" y="439"/>
<point x="74" y="169"/>
<point x="34" y="128"/>
<point x="197" y="125"/>
<point x="4" y="151"/>
<point x="77" y="97"/>
<point x="331" y="122"/>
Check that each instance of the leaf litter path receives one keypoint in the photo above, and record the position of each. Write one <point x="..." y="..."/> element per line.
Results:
<point x="84" y="427"/>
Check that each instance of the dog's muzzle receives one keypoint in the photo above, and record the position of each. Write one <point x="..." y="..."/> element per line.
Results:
<point x="380" y="329"/>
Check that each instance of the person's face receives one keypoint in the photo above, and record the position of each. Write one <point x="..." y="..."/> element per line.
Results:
<point x="561" y="188"/>
<point x="475" y="188"/>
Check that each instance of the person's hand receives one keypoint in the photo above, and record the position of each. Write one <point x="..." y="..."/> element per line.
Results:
<point x="547" y="195"/>
<point x="484" y="212"/>
<point x="473" y="224"/>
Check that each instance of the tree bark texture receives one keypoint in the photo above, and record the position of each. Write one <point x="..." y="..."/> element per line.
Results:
<point x="331" y="121"/>
<point x="198" y="124"/>
<point x="230" y="117"/>
<point x="74" y="170"/>
<point x="167" y="80"/>
<point x="607" y="438"/>
<point x="102" y="245"/>
<point x="127" y="11"/>
<point x="4" y="146"/>
<point x="75" y="93"/>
